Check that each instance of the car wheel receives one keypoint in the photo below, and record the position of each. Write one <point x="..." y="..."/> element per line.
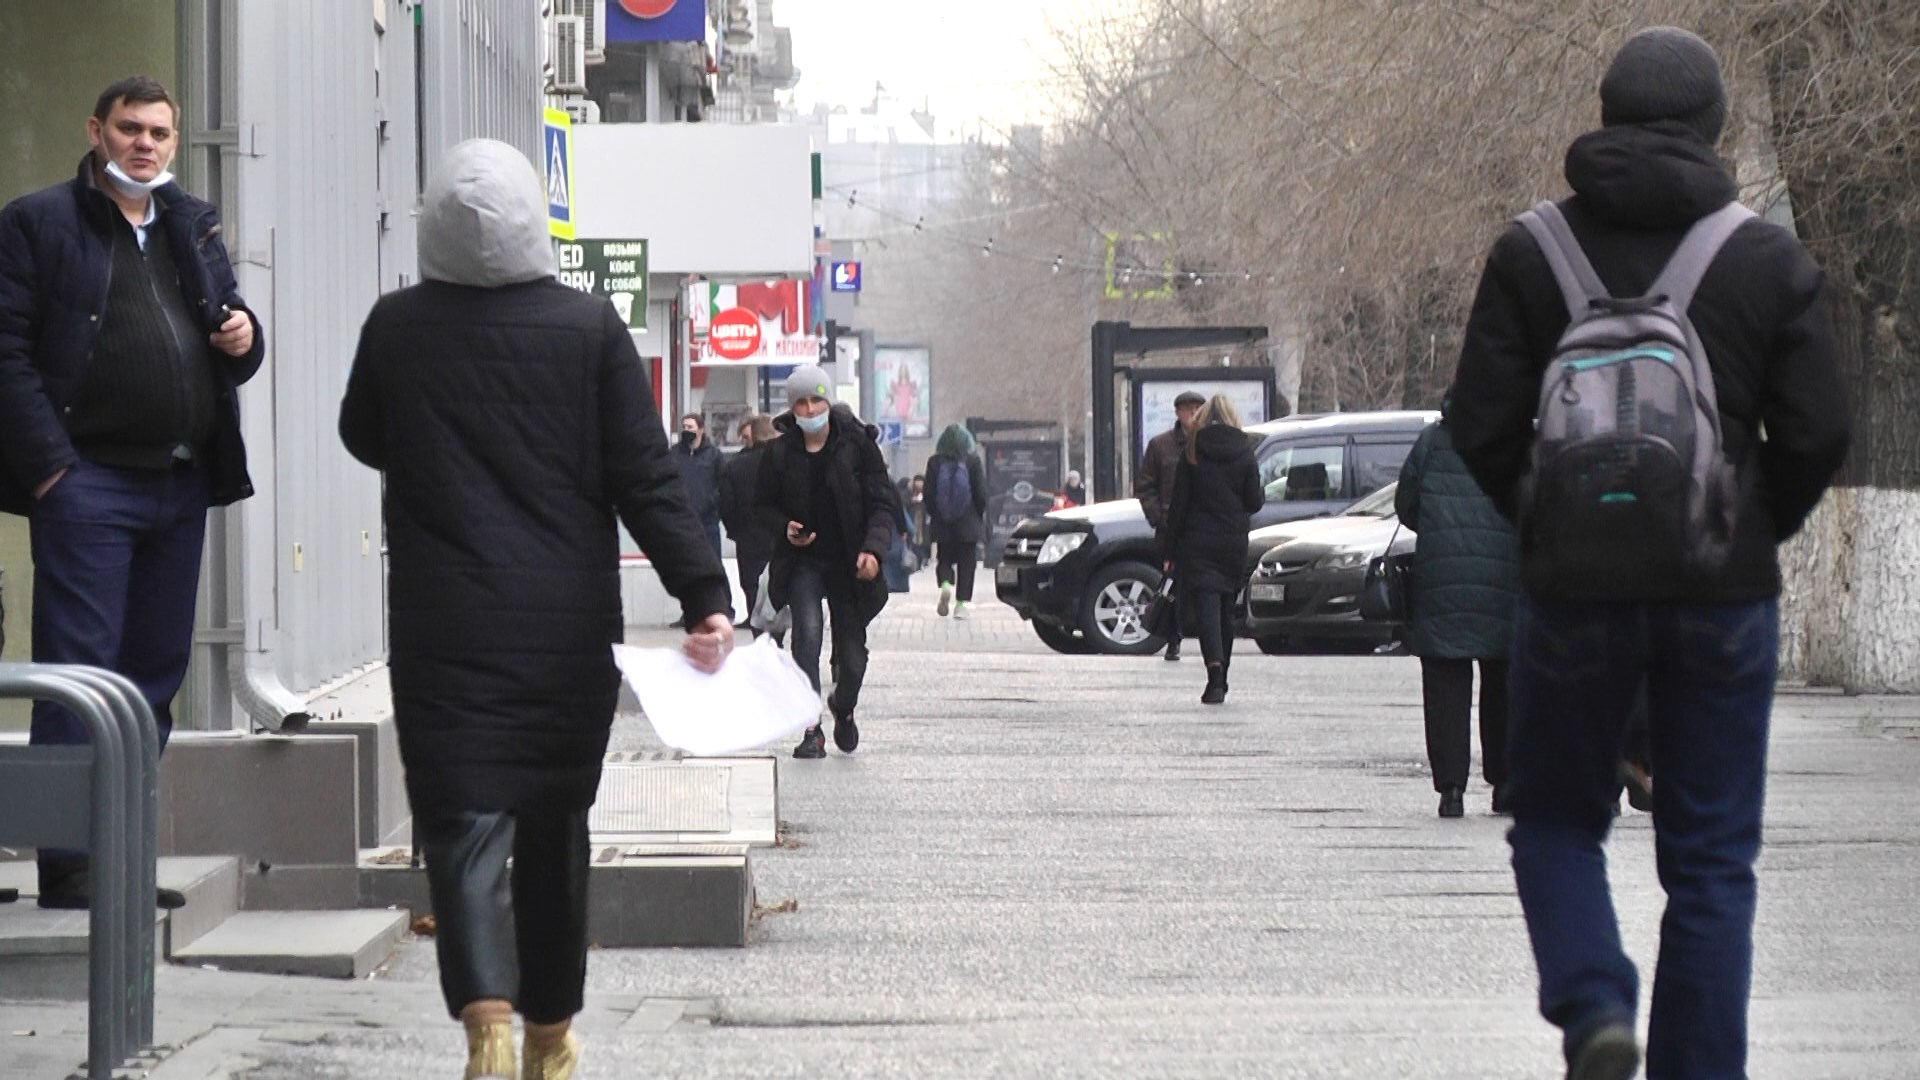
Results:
<point x="1060" y="639"/>
<point x="1274" y="645"/>
<point x="1112" y="619"/>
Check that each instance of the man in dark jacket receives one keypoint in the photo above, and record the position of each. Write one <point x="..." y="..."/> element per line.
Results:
<point x="505" y="593"/>
<point x="739" y="483"/>
<point x="1708" y="650"/>
<point x="1466" y="576"/>
<point x="956" y="518"/>
<point x="700" y="464"/>
<point x="825" y="495"/>
<point x="1153" y="485"/>
<point x="123" y="339"/>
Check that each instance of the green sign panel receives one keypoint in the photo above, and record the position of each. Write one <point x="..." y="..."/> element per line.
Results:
<point x="615" y="269"/>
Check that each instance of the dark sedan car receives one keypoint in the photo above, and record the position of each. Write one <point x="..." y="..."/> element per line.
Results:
<point x="1083" y="577"/>
<point x="1308" y="589"/>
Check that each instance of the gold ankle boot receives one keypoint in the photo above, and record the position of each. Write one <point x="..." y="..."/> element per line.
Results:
<point x="490" y="1052"/>
<point x="551" y="1061"/>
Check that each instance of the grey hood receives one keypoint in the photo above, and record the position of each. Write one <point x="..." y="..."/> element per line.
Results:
<point x="484" y="219"/>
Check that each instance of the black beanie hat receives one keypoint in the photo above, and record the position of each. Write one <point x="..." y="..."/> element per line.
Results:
<point x="1665" y="73"/>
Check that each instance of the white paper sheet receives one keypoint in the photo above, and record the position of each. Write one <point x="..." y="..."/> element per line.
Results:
<point x="758" y="696"/>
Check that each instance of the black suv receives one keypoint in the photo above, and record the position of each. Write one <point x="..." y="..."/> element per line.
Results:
<point x="1083" y="577"/>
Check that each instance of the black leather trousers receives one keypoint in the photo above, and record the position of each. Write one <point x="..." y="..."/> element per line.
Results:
<point x="514" y="934"/>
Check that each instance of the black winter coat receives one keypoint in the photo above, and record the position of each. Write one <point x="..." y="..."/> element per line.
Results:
<point x="514" y="425"/>
<point x="56" y="255"/>
<point x="1760" y="312"/>
<point x="1159" y="470"/>
<point x="970" y="529"/>
<point x="862" y="494"/>
<point x="701" y="469"/>
<point x="739" y="484"/>
<point x="1466" y="569"/>
<point x="1213" y="505"/>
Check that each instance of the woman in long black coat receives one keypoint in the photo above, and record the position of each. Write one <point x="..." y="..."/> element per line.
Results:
<point x="512" y="420"/>
<point x="1216" y="491"/>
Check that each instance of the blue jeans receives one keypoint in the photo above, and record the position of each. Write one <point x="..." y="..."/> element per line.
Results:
<point x="116" y="568"/>
<point x="1709" y="673"/>
<point x="812" y="586"/>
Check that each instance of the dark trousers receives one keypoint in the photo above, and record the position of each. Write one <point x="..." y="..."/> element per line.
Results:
<point x="1709" y="672"/>
<point x="811" y="587"/>
<point x="1213" y="616"/>
<point x="957" y="565"/>
<point x="752" y="565"/>
<point x="712" y="530"/>
<point x="516" y="935"/>
<point x="1447" y="690"/>
<point x="116" y="557"/>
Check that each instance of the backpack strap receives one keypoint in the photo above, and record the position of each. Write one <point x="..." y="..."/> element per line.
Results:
<point x="1571" y="268"/>
<point x="1697" y="250"/>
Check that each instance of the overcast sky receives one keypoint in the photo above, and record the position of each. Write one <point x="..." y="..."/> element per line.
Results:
<point x="973" y="58"/>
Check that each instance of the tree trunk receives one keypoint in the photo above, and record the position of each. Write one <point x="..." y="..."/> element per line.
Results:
<point x="1853" y="598"/>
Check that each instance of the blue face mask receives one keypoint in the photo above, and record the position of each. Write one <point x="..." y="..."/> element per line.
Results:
<point x="812" y="425"/>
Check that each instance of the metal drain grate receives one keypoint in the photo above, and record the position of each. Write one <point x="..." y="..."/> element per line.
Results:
<point x="662" y="799"/>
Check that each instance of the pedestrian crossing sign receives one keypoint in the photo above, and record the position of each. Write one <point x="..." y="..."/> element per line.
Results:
<point x="558" y="158"/>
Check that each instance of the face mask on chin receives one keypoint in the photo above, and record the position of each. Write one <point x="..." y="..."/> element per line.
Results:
<point x="134" y="189"/>
<point x="812" y="425"/>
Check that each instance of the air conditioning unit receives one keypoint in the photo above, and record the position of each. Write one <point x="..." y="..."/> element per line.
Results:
<point x="583" y="110"/>
<point x="569" y="55"/>
<point x="595" y="14"/>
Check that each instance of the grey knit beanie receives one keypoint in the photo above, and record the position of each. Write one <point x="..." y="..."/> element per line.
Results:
<point x="1665" y="73"/>
<point x="808" y="381"/>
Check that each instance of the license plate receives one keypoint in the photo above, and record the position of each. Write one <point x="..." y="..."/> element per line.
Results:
<point x="1270" y="594"/>
<point x="1007" y="575"/>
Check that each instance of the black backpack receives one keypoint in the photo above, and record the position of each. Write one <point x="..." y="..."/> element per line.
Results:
<point x="953" y="501"/>
<point x="1630" y="495"/>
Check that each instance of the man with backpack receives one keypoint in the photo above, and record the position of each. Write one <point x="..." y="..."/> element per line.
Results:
<point x="1683" y="430"/>
<point x="956" y="515"/>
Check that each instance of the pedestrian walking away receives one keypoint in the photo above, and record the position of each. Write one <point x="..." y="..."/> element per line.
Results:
<point x="701" y="465"/>
<point x="1153" y="486"/>
<point x="1466" y="579"/>
<point x="824" y="492"/>
<point x="123" y="341"/>
<point x="739" y="482"/>
<point x="504" y="684"/>
<point x="1215" y="494"/>
<point x="1630" y="575"/>
<point x="957" y="508"/>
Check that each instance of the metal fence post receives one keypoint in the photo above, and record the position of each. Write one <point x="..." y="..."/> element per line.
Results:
<point x="121" y="833"/>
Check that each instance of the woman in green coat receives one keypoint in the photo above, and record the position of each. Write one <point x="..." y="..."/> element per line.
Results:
<point x="1466" y="579"/>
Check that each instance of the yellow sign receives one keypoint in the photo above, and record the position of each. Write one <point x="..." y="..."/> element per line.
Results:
<point x="558" y="157"/>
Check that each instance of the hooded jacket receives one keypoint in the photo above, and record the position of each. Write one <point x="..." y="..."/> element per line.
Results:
<point x="956" y="446"/>
<point x="1214" y="499"/>
<point x="1760" y="313"/>
<point x="513" y="422"/>
<point x="863" y="497"/>
<point x="56" y="258"/>
<point x="1466" y="567"/>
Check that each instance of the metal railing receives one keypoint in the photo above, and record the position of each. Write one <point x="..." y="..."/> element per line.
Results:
<point x="104" y="797"/>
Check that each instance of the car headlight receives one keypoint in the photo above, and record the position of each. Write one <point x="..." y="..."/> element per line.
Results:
<point x="1058" y="545"/>
<point x="1345" y="559"/>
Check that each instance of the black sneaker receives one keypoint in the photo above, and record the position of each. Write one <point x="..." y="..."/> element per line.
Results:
<point x="1453" y="803"/>
<point x="812" y="745"/>
<point x="846" y="733"/>
<point x="1610" y="1053"/>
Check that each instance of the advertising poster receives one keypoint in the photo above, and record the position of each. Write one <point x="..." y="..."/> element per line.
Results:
<point x="903" y="388"/>
<point x="777" y="309"/>
<point x="615" y="269"/>
<point x="1022" y="478"/>
<point x="1156" y="396"/>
